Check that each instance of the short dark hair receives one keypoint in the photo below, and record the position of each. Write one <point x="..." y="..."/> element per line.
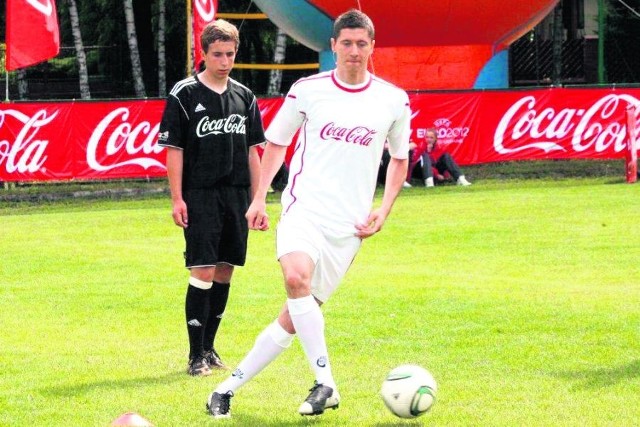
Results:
<point x="219" y="30"/>
<point x="353" y="18"/>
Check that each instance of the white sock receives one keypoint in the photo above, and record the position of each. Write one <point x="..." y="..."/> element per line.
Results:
<point x="272" y="341"/>
<point x="200" y="284"/>
<point x="309" y="324"/>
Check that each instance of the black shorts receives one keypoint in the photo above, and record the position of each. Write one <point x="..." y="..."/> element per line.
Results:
<point x="217" y="230"/>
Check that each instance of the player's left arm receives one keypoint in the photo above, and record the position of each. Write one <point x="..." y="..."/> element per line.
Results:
<point x="398" y="138"/>
<point x="255" y="137"/>
<point x="254" y="169"/>
<point x="396" y="174"/>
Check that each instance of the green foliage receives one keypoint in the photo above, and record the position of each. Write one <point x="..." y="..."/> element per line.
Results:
<point x="622" y="34"/>
<point x="63" y="66"/>
<point x="2" y="58"/>
<point x="521" y="297"/>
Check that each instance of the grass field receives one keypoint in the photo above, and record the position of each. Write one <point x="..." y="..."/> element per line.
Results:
<point x="522" y="297"/>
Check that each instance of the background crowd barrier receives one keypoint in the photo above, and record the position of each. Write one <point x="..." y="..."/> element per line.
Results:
<point x="67" y="140"/>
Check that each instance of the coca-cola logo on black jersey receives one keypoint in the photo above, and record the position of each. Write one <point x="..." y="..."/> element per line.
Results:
<point x="235" y="123"/>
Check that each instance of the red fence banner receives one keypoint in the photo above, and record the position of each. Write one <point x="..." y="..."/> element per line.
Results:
<point x="32" y="32"/>
<point x="506" y="125"/>
<point x="204" y="12"/>
<point x="42" y="141"/>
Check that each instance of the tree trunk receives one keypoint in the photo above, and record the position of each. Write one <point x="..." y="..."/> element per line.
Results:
<point x="23" y="84"/>
<point x="132" y="40"/>
<point x="275" y="76"/>
<point x="85" y="92"/>
<point x="162" y="62"/>
<point x="143" y="16"/>
<point x="558" y="36"/>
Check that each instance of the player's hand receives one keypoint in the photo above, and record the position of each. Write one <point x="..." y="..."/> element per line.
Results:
<point x="372" y="226"/>
<point x="256" y="215"/>
<point x="179" y="214"/>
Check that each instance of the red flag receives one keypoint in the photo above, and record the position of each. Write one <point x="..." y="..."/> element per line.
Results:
<point x="204" y="12"/>
<point x="32" y="32"/>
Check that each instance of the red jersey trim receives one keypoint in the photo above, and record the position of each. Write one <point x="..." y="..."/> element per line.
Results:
<point x="348" y="89"/>
<point x="302" y="146"/>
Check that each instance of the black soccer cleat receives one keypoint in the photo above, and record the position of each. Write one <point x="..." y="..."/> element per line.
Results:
<point x="214" y="361"/>
<point x="321" y="397"/>
<point x="219" y="404"/>
<point x="198" y="367"/>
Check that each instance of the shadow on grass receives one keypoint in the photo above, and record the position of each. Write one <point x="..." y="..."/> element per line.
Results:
<point x="248" y="420"/>
<point x="76" y="389"/>
<point x="602" y="377"/>
<point x="416" y="422"/>
<point x="318" y="420"/>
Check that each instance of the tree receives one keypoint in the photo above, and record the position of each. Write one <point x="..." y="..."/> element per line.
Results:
<point x="81" y="58"/>
<point x="23" y="83"/>
<point x="279" y="54"/>
<point x="146" y="37"/>
<point x="132" y="40"/>
<point x="162" y="61"/>
<point x="621" y="38"/>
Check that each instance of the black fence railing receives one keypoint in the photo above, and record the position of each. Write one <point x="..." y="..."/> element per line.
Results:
<point x="532" y="62"/>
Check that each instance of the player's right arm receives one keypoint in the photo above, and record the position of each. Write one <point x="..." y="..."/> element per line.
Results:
<point x="175" y="158"/>
<point x="172" y="135"/>
<point x="272" y="159"/>
<point x="283" y="127"/>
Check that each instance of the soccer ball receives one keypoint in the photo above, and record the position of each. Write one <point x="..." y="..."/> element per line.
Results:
<point x="409" y="391"/>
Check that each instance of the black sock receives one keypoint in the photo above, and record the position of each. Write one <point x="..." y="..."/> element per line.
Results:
<point x="196" y="310"/>
<point x="218" y="296"/>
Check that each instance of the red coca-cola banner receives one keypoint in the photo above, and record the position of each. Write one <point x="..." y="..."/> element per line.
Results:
<point x="554" y="123"/>
<point x="118" y="139"/>
<point x="32" y="32"/>
<point x="204" y="12"/>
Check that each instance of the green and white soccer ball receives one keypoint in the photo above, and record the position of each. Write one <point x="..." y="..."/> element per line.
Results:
<point x="409" y="391"/>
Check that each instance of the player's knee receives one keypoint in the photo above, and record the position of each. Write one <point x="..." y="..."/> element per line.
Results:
<point x="223" y="273"/>
<point x="296" y="281"/>
<point x="203" y="273"/>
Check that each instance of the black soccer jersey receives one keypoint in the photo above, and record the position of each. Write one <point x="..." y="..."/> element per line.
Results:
<point x="214" y="130"/>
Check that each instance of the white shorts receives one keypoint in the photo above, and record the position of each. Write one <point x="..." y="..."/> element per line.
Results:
<point x="331" y="254"/>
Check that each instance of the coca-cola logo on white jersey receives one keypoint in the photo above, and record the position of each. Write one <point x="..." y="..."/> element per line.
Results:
<point x="206" y="9"/>
<point x="27" y="152"/>
<point x="139" y="142"/>
<point x="360" y="135"/>
<point x="598" y="127"/>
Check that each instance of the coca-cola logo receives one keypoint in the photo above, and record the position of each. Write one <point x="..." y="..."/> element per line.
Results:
<point x="206" y="9"/>
<point x="138" y="142"/>
<point x="27" y="152"/>
<point x="360" y="135"/>
<point x="598" y="127"/>
<point x="45" y="7"/>
<point x="235" y="123"/>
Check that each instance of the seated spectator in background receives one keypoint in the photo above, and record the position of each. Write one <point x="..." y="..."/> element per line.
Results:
<point x="437" y="163"/>
<point x="414" y="151"/>
<point x="384" y="162"/>
<point x="280" y="179"/>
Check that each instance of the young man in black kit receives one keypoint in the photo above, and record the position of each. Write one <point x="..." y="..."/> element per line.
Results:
<point x="211" y="126"/>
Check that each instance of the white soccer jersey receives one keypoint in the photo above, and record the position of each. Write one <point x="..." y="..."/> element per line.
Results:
<point x="343" y="128"/>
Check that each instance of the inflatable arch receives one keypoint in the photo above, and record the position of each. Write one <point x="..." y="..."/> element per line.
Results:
<point x="421" y="44"/>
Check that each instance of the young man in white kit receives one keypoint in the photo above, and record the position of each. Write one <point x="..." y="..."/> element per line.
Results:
<point x="344" y="116"/>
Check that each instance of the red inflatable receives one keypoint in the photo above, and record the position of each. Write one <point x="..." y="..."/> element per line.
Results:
<point x="440" y="44"/>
